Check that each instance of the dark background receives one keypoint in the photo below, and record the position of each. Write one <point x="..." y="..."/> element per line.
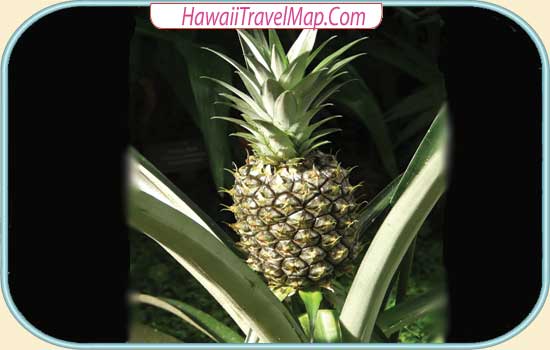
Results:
<point x="68" y="112"/>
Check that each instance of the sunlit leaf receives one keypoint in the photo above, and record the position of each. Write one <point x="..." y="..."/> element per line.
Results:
<point x="391" y="242"/>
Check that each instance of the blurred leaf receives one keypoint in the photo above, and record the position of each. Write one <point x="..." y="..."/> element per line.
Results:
<point x="205" y="323"/>
<point x="215" y="133"/>
<point x="414" y="126"/>
<point x="434" y="140"/>
<point x="425" y="98"/>
<point x="358" y="98"/>
<point x="378" y="336"/>
<point x="424" y="188"/>
<point x="140" y="333"/>
<point x="411" y="310"/>
<point x="304" y="322"/>
<point x="421" y="69"/>
<point x="238" y="289"/>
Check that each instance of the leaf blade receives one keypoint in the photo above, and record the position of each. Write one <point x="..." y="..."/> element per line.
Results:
<point x="390" y="244"/>
<point x="198" y="319"/>
<point x="312" y="301"/>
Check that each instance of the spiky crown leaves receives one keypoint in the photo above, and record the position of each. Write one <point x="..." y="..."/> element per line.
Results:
<point x="282" y="98"/>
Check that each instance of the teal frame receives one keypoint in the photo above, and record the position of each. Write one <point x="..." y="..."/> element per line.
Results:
<point x="72" y="345"/>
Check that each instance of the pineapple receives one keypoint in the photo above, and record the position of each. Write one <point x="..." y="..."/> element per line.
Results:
<point x="294" y="205"/>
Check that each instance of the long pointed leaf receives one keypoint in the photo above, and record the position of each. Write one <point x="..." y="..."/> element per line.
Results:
<point x="259" y="111"/>
<point x="436" y="134"/>
<point x="327" y="327"/>
<point x="332" y="57"/>
<point x="303" y="45"/>
<point x="319" y="49"/>
<point x="273" y="38"/>
<point x="150" y="180"/>
<point x="411" y="310"/>
<point x="390" y="244"/>
<point x="245" y="74"/>
<point x="208" y="325"/>
<point x="377" y="205"/>
<point x="252" y="45"/>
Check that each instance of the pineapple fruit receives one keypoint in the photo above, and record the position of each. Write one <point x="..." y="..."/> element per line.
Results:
<point x="294" y="205"/>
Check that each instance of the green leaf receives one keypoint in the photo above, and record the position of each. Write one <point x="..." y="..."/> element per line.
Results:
<point x="342" y="63"/>
<point x="208" y="325"/>
<point x="140" y="333"/>
<point x="434" y="139"/>
<point x="312" y="94"/>
<point x="304" y="322"/>
<point x="328" y="93"/>
<point x="259" y="37"/>
<point x="312" y="301"/>
<point x="145" y="176"/>
<point x="260" y="113"/>
<point x="377" y="205"/>
<point x="417" y="124"/>
<point x="260" y="72"/>
<point x="244" y="73"/>
<point x="178" y="229"/>
<point x="294" y="72"/>
<point x="274" y="40"/>
<point x="425" y="98"/>
<point x="270" y="91"/>
<point x="391" y="242"/>
<point x="253" y="46"/>
<point x="318" y="50"/>
<point x="327" y="327"/>
<point x="305" y="88"/>
<point x="408" y="312"/>
<point x="303" y="45"/>
<point x="368" y="111"/>
<point x="332" y="57"/>
<point x="284" y="110"/>
<point x="422" y="70"/>
<point x="404" y="272"/>
<point x="315" y="136"/>
<point x="277" y="65"/>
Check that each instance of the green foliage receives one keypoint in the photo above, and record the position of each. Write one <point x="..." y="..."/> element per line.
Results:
<point x="208" y="325"/>
<point x="312" y="301"/>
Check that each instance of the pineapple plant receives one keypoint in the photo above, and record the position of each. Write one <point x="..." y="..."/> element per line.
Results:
<point x="296" y="213"/>
<point x="294" y="205"/>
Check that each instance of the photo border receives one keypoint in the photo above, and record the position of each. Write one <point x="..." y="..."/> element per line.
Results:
<point x="389" y="3"/>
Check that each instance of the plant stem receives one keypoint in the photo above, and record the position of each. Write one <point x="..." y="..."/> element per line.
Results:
<point x="402" y="284"/>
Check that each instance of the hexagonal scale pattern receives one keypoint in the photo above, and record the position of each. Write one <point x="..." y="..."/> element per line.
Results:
<point x="295" y="221"/>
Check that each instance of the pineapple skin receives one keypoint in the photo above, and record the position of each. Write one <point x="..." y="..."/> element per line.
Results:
<point x="296" y="220"/>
